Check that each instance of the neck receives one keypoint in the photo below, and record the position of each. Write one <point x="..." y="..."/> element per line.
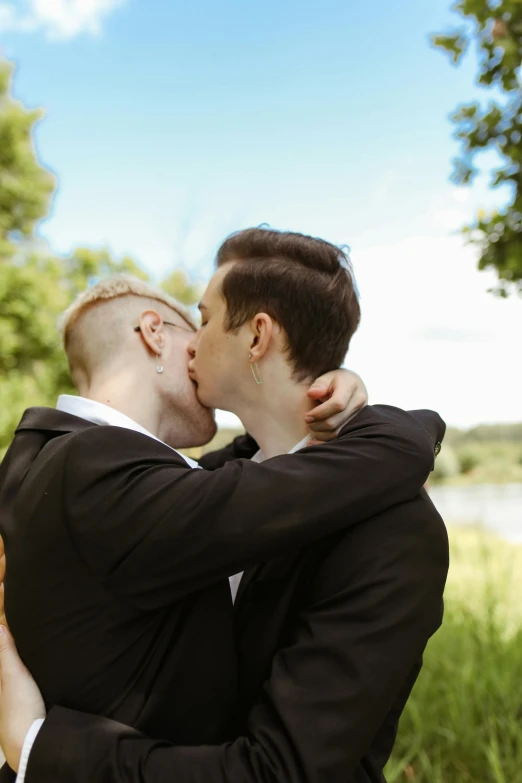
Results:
<point x="127" y="395"/>
<point x="274" y="415"/>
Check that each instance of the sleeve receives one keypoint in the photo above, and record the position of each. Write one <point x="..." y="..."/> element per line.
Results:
<point x="434" y="427"/>
<point x="244" y="446"/>
<point x="155" y="532"/>
<point x="354" y="646"/>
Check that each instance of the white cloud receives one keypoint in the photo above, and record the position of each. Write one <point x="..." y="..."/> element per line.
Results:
<point x="62" y="19"/>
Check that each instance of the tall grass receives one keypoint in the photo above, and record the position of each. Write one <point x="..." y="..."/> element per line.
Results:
<point x="463" y="722"/>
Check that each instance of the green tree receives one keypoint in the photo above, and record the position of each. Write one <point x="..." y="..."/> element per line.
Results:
<point x="34" y="291"/>
<point x="179" y="285"/>
<point x="25" y="186"/>
<point x="495" y="27"/>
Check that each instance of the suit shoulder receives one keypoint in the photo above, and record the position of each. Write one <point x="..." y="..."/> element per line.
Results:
<point x="102" y="445"/>
<point x="385" y="416"/>
<point x="420" y="418"/>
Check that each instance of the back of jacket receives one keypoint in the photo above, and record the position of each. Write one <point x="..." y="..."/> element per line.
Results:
<point x="170" y="672"/>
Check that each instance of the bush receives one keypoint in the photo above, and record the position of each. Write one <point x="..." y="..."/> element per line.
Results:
<point x="469" y="459"/>
<point x="463" y="721"/>
<point x="447" y="465"/>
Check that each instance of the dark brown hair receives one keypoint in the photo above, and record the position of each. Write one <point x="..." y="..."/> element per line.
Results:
<point x="303" y="283"/>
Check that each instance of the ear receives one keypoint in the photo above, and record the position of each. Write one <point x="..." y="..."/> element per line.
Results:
<point x="152" y="331"/>
<point x="263" y="329"/>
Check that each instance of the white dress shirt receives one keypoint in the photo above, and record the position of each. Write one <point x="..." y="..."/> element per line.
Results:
<point x="260" y="457"/>
<point x="98" y="413"/>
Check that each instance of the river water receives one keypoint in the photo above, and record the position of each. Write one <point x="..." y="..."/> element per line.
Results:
<point x="497" y="507"/>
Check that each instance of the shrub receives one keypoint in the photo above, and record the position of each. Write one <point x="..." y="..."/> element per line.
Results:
<point x="447" y="465"/>
<point x="469" y="458"/>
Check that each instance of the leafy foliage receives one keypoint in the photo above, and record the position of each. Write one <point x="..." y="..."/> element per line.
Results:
<point x="489" y="453"/>
<point x="495" y="26"/>
<point x="34" y="290"/>
<point x="178" y="285"/>
<point x="25" y="186"/>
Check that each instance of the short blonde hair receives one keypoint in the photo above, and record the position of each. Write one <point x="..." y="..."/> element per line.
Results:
<point x="112" y="288"/>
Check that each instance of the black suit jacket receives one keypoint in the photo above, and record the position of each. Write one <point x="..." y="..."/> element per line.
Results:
<point x="330" y="644"/>
<point x="112" y="544"/>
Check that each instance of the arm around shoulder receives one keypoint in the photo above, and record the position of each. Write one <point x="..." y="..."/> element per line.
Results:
<point x="156" y="531"/>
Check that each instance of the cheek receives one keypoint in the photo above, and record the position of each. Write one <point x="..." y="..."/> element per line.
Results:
<point x="206" y="353"/>
<point x="204" y="349"/>
<point x="215" y="359"/>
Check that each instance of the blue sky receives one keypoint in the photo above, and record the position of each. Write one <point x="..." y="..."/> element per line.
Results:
<point x="170" y="124"/>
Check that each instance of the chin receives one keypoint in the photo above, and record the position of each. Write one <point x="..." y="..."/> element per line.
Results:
<point x="206" y="400"/>
<point x="207" y="428"/>
<point x="202" y="438"/>
<point x="201" y="430"/>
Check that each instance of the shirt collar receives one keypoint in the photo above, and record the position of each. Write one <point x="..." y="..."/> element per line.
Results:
<point x="260" y="457"/>
<point x="98" y="413"/>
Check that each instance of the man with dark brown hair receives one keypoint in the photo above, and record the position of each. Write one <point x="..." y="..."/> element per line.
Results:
<point x="305" y="284"/>
<point x="330" y="636"/>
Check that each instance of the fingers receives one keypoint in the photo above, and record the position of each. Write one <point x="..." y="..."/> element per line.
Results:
<point x="10" y="662"/>
<point x="325" y="410"/>
<point x="2" y="577"/>
<point x="332" y="413"/>
<point x="2" y="559"/>
<point x="318" y="391"/>
<point x="6" y="645"/>
<point x="324" y="431"/>
<point x="3" y="621"/>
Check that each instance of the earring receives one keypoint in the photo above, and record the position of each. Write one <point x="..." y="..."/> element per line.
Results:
<point x="159" y="367"/>
<point x="255" y="371"/>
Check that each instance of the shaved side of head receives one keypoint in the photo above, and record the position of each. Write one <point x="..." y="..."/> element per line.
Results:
<point x="98" y="327"/>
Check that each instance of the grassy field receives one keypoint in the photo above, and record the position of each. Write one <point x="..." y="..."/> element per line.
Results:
<point x="463" y="722"/>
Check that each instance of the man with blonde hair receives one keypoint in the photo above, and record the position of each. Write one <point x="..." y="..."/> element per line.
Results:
<point x="118" y="551"/>
<point x="100" y="339"/>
